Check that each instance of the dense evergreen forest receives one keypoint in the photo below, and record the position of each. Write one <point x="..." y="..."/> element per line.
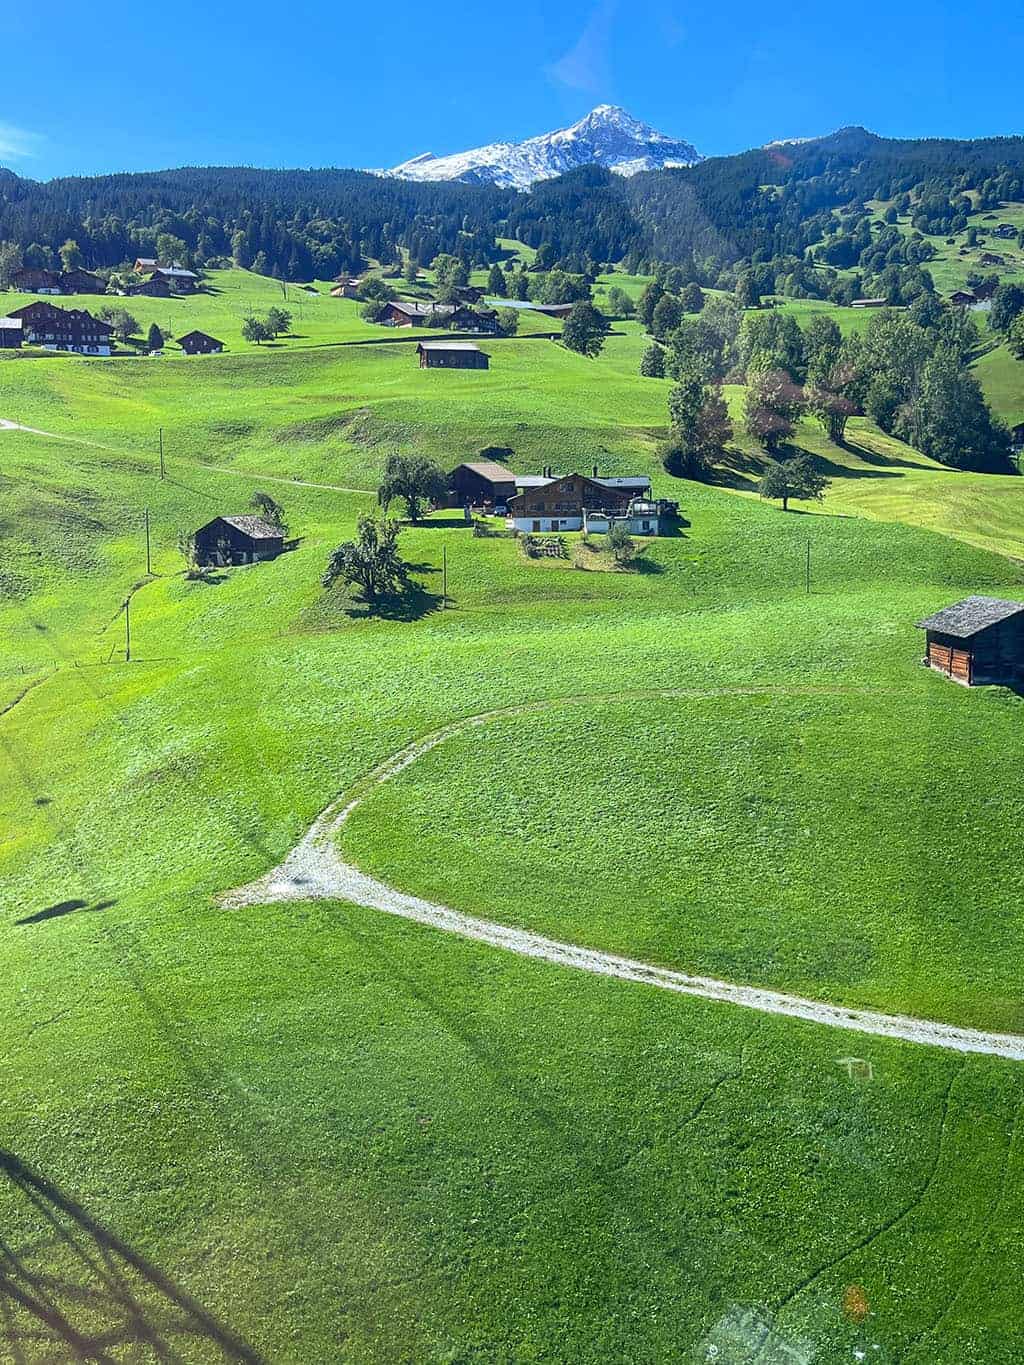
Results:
<point x="790" y="216"/>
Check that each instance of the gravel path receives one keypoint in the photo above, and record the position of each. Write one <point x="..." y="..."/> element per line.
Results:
<point x="314" y="870"/>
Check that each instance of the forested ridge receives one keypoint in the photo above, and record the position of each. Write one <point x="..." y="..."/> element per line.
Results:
<point x="770" y="209"/>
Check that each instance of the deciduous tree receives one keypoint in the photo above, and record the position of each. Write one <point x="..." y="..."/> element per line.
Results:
<point x="652" y="362"/>
<point x="584" y="330"/>
<point x="796" y="478"/>
<point x="414" y="480"/>
<point x="771" y="407"/>
<point x="10" y="263"/>
<point x="371" y="561"/>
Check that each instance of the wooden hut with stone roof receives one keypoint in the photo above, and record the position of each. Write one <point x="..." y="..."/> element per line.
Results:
<point x="978" y="640"/>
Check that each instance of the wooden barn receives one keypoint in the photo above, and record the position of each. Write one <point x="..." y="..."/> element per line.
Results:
<point x="237" y="540"/>
<point x="978" y="640"/>
<point x="481" y="483"/>
<point x="156" y="287"/>
<point x="452" y="355"/>
<point x="181" y="281"/>
<point x="962" y="298"/>
<point x="30" y="280"/>
<point x="402" y="313"/>
<point x="11" y="332"/>
<point x="82" y="282"/>
<point x="198" y="343"/>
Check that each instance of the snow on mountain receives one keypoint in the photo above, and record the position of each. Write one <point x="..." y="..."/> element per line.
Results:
<point x="789" y="142"/>
<point x="607" y="136"/>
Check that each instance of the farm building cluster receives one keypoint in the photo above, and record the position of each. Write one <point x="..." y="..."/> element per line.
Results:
<point x="551" y="503"/>
<point x="160" y="281"/>
<point x="75" y="330"/>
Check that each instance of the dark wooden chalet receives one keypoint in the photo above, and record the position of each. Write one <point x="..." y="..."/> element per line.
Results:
<point x="481" y="483"/>
<point x="403" y="313"/>
<point x="156" y="287"/>
<point x="978" y="640"/>
<point x="198" y="343"/>
<point x="452" y="355"/>
<point x="464" y="319"/>
<point x="11" y="330"/>
<point x="63" y="329"/>
<point x="181" y="281"/>
<point x="81" y="282"/>
<point x="962" y="298"/>
<point x="237" y="540"/>
<point x="30" y="280"/>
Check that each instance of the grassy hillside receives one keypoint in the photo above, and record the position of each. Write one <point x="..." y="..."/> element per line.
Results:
<point x="345" y="1137"/>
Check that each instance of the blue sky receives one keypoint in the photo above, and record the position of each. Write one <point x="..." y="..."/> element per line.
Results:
<point x="115" y="87"/>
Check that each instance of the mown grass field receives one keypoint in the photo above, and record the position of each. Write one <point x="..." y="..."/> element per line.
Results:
<point x="352" y="1138"/>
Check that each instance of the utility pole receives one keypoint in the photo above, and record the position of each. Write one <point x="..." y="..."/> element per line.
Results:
<point x="161" y="452"/>
<point x="149" y="562"/>
<point x="444" y="575"/>
<point x="127" y="631"/>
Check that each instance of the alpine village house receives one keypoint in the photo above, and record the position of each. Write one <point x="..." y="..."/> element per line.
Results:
<point x="63" y="329"/>
<point x="538" y="503"/>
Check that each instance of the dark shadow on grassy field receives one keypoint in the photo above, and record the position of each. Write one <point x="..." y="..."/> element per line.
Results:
<point x="73" y="1290"/>
<point x="412" y="604"/>
<point x="873" y="457"/>
<point x="62" y="908"/>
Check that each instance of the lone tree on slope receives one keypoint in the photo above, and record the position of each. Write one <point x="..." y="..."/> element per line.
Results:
<point x="414" y="480"/>
<point x="371" y="562"/>
<point x="584" y="329"/>
<point x="796" y="478"/>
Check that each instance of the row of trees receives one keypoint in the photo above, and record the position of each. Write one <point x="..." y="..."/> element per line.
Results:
<point x="909" y="372"/>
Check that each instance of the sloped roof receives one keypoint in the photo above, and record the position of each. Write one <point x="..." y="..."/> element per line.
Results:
<point x="422" y="310"/>
<point x="176" y="272"/>
<point x="489" y="469"/>
<point x="196" y="334"/>
<point x="626" y="481"/>
<point x="972" y="615"/>
<point x="255" y="527"/>
<point x="448" y="346"/>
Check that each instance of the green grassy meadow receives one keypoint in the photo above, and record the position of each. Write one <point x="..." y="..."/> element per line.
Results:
<point x="337" y="1136"/>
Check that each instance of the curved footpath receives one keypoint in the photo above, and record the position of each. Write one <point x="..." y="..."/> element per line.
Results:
<point x="314" y="870"/>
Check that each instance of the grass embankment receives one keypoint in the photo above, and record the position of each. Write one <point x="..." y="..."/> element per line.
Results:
<point x="352" y="1138"/>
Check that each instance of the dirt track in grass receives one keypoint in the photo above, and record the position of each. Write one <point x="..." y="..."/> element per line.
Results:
<point x="315" y="870"/>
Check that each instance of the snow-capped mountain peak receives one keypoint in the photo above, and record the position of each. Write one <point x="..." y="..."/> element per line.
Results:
<point x="607" y="136"/>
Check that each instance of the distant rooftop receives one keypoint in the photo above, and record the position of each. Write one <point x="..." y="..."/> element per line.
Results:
<point x="448" y="346"/>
